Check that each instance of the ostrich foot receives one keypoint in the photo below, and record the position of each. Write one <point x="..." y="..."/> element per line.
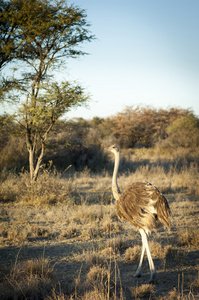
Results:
<point x="153" y="277"/>
<point x="137" y="274"/>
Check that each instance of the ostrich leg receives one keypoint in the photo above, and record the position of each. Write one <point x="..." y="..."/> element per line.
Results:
<point x="139" y="269"/>
<point x="150" y="260"/>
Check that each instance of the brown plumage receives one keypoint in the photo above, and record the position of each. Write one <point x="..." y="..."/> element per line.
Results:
<point x="138" y="205"/>
<point x="143" y="206"/>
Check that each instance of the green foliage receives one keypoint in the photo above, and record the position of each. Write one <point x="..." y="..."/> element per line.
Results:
<point x="184" y="132"/>
<point x="52" y="102"/>
<point x="6" y="121"/>
<point x="8" y="45"/>
<point x="30" y="30"/>
<point x="188" y="122"/>
<point x="42" y="33"/>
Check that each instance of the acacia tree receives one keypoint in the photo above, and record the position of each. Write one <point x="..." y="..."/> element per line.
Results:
<point x="44" y="33"/>
<point x="9" y="42"/>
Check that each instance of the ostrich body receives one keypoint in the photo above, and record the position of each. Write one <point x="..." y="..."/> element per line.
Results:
<point x="143" y="206"/>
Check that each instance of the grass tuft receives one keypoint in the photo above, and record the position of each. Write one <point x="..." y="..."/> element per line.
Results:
<point x="28" y="279"/>
<point x="132" y="254"/>
<point x="144" y="291"/>
<point x="195" y="283"/>
<point x="189" y="237"/>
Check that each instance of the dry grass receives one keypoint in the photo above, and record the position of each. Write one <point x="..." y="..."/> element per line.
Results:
<point x="95" y="258"/>
<point x="118" y="243"/>
<point x="76" y="219"/>
<point x="189" y="237"/>
<point x="195" y="283"/>
<point x="173" y="295"/>
<point x="167" y="181"/>
<point x="157" y="251"/>
<point x="97" y="277"/>
<point x="97" y="294"/>
<point x="144" y="291"/>
<point x="133" y="254"/>
<point x="48" y="190"/>
<point x="102" y="280"/>
<point x="164" y="170"/>
<point x="71" y="232"/>
<point x="28" y="279"/>
<point x="57" y="296"/>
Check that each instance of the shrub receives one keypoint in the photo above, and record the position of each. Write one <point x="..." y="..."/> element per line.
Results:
<point x="183" y="132"/>
<point x="47" y="190"/>
<point x="79" y="156"/>
<point x="14" y="154"/>
<point x="143" y="125"/>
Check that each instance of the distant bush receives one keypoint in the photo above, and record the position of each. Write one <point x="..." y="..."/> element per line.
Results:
<point x="79" y="156"/>
<point x="183" y="132"/>
<point x="80" y="143"/>
<point x="13" y="150"/>
<point x="143" y="125"/>
<point x="14" y="155"/>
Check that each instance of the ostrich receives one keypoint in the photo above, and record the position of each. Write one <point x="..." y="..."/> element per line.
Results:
<point x="143" y="206"/>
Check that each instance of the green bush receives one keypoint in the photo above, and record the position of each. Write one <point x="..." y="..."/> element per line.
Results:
<point x="184" y="132"/>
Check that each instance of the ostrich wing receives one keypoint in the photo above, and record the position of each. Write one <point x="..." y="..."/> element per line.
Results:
<point x="144" y="206"/>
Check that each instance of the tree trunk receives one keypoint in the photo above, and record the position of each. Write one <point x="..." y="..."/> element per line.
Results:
<point x="30" y="148"/>
<point x="39" y="160"/>
<point x="31" y="163"/>
<point x="31" y="145"/>
<point x="34" y="171"/>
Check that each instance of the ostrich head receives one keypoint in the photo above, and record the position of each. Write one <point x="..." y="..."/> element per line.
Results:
<point x="114" y="148"/>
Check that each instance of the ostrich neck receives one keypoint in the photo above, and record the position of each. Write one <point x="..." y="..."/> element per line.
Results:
<point x="115" y="188"/>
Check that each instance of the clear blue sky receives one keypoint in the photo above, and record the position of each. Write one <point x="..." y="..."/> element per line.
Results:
<point x="146" y="52"/>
